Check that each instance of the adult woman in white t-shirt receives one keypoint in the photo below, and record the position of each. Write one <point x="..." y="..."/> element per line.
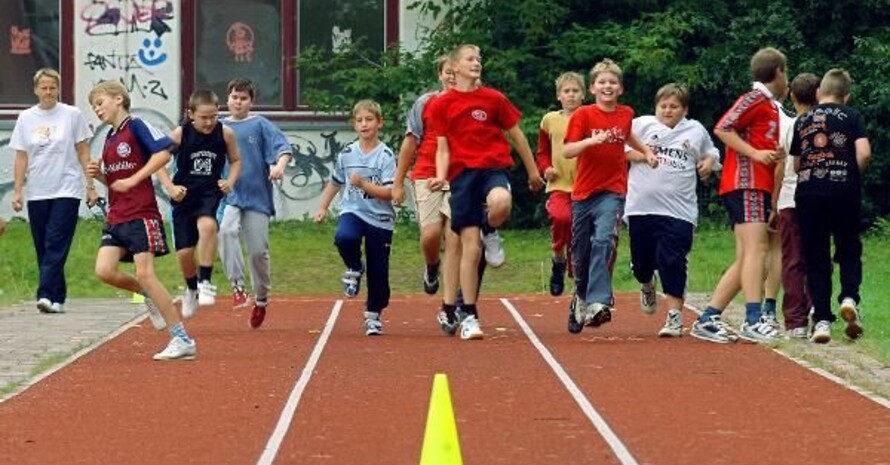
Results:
<point x="51" y="143"/>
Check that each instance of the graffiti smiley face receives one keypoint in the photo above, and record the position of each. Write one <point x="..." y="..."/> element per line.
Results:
<point x="151" y="54"/>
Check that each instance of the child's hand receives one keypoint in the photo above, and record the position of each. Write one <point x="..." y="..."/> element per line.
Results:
<point x="550" y="174"/>
<point x="437" y="184"/>
<point x="319" y="215"/>
<point x="92" y="197"/>
<point x="123" y="185"/>
<point x="398" y="194"/>
<point x="356" y="180"/>
<point x="535" y="182"/>
<point x="177" y="192"/>
<point x="93" y="169"/>
<point x="705" y="168"/>
<point x="772" y="224"/>
<point x="276" y="173"/>
<point x="598" y="137"/>
<point x="17" y="202"/>
<point x="224" y="185"/>
<point x="651" y="159"/>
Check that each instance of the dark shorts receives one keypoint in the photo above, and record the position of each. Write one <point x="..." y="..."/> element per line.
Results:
<point x="747" y="206"/>
<point x="468" y="192"/>
<point x="186" y="214"/>
<point x="135" y="237"/>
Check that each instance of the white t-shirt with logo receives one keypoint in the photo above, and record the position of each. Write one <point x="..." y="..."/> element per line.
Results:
<point x="49" y="137"/>
<point x="789" y="181"/>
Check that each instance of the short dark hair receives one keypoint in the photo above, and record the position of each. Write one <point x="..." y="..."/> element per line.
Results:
<point x="242" y="85"/>
<point x="765" y="63"/>
<point x="803" y="88"/>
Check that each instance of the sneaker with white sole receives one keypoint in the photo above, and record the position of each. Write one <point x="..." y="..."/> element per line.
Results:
<point x="649" y="297"/>
<point x="494" y="249"/>
<point x="206" y="293"/>
<point x="850" y="315"/>
<point x="799" y="333"/>
<point x="189" y="303"/>
<point x="597" y="314"/>
<point x="713" y="330"/>
<point x="673" y="324"/>
<point x="44" y="305"/>
<point x="154" y="314"/>
<point x="431" y="282"/>
<point x="576" y="317"/>
<point x="57" y="307"/>
<point x="258" y="314"/>
<point x="821" y="332"/>
<point x="373" y="325"/>
<point x="760" y="331"/>
<point x="772" y="320"/>
<point x="240" y="298"/>
<point x="177" y="349"/>
<point x="352" y="282"/>
<point x="470" y="329"/>
<point x="448" y="323"/>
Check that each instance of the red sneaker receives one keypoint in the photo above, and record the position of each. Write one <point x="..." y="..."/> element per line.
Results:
<point x="257" y="315"/>
<point x="240" y="299"/>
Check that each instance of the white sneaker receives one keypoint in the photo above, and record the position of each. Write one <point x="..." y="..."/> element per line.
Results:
<point x="798" y="333"/>
<point x="154" y="314"/>
<point x="206" y="293"/>
<point x="821" y="332"/>
<point x="649" y="297"/>
<point x="44" y="305"/>
<point x="469" y="328"/>
<point x="673" y="324"/>
<point x="850" y="314"/>
<point x="177" y="349"/>
<point x="57" y="307"/>
<point x="494" y="249"/>
<point x="373" y="325"/>
<point x="189" y="303"/>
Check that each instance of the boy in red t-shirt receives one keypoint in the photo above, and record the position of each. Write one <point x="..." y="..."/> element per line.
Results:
<point x="750" y="130"/>
<point x="597" y="135"/>
<point x="473" y="154"/>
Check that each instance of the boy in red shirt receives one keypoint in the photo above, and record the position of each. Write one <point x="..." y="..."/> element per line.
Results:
<point x="596" y="136"/>
<point x="473" y="155"/>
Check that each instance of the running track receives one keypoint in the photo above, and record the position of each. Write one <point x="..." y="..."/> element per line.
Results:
<point x="530" y="393"/>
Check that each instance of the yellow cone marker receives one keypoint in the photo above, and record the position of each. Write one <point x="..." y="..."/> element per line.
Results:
<point x="137" y="298"/>
<point x="440" y="443"/>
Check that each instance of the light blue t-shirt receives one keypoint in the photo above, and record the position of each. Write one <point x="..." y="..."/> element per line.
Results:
<point x="377" y="166"/>
<point x="260" y="143"/>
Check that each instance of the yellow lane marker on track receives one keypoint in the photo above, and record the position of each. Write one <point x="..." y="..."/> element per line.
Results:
<point x="440" y="443"/>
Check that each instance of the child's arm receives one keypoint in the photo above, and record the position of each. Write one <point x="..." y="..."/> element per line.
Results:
<point x="407" y="152"/>
<point x="574" y="149"/>
<point x="176" y="192"/>
<point x="647" y="155"/>
<point x="544" y="155"/>
<point x="378" y="192"/>
<point x="330" y="190"/>
<point x="734" y="141"/>
<point x="277" y="170"/>
<point x="234" y="159"/>
<point x="535" y="182"/>
<point x="443" y="158"/>
<point x="83" y="155"/>
<point x="157" y="161"/>
<point x="94" y="170"/>
<point x="863" y="153"/>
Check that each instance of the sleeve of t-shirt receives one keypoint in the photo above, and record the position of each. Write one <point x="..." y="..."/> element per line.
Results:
<point x="276" y="141"/>
<point x="794" y="148"/>
<point x="739" y="117"/>
<point x="17" y="140"/>
<point x="387" y="167"/>
<point x="150" y="138"/>
<point x="858" y="128"/>
<point x="508" y="114"/>
<point x="82" y="132"/>
<point x="578" y="129"/>
<point x="544" y="155"/>
<point x="338" y="175"/>
<point x="414" y="119"/>
<point x="437" y="117"/>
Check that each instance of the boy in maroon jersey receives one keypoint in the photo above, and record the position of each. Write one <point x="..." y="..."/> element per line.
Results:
<point x="134" y="231"/>
<point x="473" y="154"/>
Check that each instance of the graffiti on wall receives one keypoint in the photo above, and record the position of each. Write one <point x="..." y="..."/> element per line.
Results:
<point x="114" y="17"/>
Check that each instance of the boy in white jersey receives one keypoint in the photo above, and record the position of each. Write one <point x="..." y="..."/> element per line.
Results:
<point x="662" y="206"/>
<point x="367" y="168"/>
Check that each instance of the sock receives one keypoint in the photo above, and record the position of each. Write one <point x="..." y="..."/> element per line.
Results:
<point x="204" y="273"/>
<point x="432" y="270"/>
<point x="470" y="309"/>
<point x="648" y="285"/>
<point x="178" y="330"/>
<point x="486" y="228"/>
<point x="769" y="306"/>
<point x="192" y="283"/>
<point x="708" y="313"/>
<point x="752" y="312"/>
<point x="261" y="301"/>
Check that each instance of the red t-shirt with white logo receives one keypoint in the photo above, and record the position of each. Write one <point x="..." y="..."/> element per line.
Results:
<point x="755" y="118"/>
<point x="602" y="167"/>
<point x="126" y="151"/>
<point x="474" y="123"/>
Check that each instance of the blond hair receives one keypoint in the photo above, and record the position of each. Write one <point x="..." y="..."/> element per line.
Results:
<point x="47" y="72"/>
<point x="569" y="77"/>
<point x="443" y="60"/>
<point x="455" y="53"/>
<point x="765" y="63"/>
<point x="606" y="66"/>
<point x="836" y="83"/>
<point x="113" y="89"/>
<point x="368" y="105"/>
<point x="676" y="90"/>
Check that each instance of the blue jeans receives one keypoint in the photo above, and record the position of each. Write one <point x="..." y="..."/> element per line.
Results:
<point x="595" y="222"/>
<point x="53" y="222"/>
<point x="348" y="239"/>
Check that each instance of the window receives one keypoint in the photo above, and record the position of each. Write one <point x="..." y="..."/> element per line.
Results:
<point x="30" y="41"/>
<point x="259" y="39"/>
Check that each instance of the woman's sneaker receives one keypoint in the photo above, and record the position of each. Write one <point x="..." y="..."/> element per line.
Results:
<point x="713" y="330"/>
<point x="821" y="332"/>
<point x="352" y="282"/>
<point x="850" y="314"/>
<point x="373" y="325"/>
<point x="673" y="324"/>
<point x="177" y="349"/>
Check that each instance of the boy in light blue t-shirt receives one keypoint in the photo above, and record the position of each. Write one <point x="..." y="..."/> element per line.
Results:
<point x="366" y="168"/>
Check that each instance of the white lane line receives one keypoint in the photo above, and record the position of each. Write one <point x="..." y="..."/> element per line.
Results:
<point x="599" y="423"/>
<point x="823" y="373"/>
<point x="290" y="407"/>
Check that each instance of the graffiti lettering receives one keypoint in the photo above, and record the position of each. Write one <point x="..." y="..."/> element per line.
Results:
<point x="112" y="60"/>
<point x="113" y="17"/>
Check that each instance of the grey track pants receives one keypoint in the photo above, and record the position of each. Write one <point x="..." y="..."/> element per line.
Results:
<point x="252" y="227"/>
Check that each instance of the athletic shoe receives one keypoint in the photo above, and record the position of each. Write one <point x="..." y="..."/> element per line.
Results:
<point x="154" y="314"/>
<point x="469" y="328"/>
<point x="57" y="307"/>
<point x="575" y="325"/>
<point x="597" y="314"/>
<point x="798" y="333"/>
<point x="821" y="332"/>
<point x="373" y="325"/>
<point x="771" y="320"/>
<point x="177" y="349"/>
<point x="850" y="314"/>
<point x="352" y="282"/>
<point x="258" y="314"/>
<point x="44" y="305"/>
<point x="190" y="303"/>
<point x="758" y="332"/>
<point x="206" y="293"/>
<point x="713" y="330"/>
<point x="494" y="249"/>
<point x="673" y="324"/>
<point x="649" y="297"/>
<point x="557" y="278"/>
<point x="447" y="323"/>
<point x="431" y="283"/>
<point x="240" y="299"/>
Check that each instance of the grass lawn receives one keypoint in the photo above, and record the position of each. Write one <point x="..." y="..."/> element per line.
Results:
<point x="305" y="261"/>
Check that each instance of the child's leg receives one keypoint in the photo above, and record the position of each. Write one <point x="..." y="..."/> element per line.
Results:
<point x="107" y="261"/>
<point x="451" y="265"/>
<point x="795" y="302"/>
<point x="230" y="244"/>
<point x="500" y="203"/>
<point x="582" y="231"/>
<point x="207" y="246"/>
<point x="186" y="259"/>
<point x="559" y="208"/>
<point x="255" y="227"/>
<point x="642" y="247"/>
<point x="755" y="243"/>
<point x="773" y="272"/>
<point x="848" y="247"/>
<point x="471" y="252"/>
<point x="154" y="289"/>
<point x="377" y="249"/>
<point x="348" y="240"/>
<point x="817" y="255"/>
<point x="674" y="241"/>
<point x="606" y="208"/>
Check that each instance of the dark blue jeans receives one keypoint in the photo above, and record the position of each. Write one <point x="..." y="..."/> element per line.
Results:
<point x="350" y="231"/>
<point x="53" y="222"/>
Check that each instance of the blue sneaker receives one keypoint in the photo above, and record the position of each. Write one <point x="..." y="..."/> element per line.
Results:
<point x="713" y="330"/>
<point x="352" y="282"/>
<point x="373" y="325"/>
<point x="575" y="325"/>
